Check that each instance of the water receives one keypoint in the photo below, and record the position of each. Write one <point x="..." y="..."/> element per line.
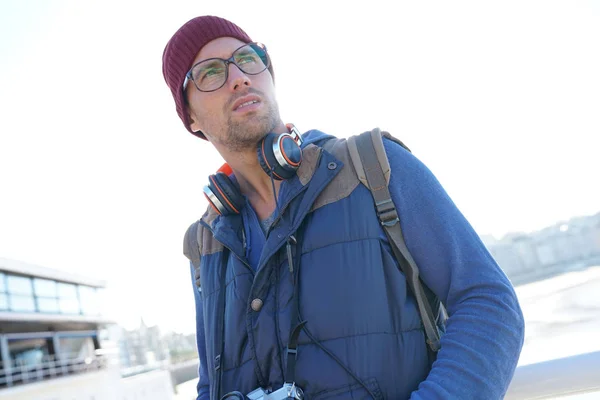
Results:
<point x="562" y="316"/>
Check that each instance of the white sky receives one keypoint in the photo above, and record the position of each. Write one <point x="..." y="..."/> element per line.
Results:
<point x="98" y="176"/>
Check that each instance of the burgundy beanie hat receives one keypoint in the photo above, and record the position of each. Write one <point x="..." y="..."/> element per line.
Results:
<point x="183" y="48"/>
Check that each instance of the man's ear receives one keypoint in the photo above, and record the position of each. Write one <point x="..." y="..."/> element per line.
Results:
<point x="195" y="126"/>
<point x="193" y="123"/>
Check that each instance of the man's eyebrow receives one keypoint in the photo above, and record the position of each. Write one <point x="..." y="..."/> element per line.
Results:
<point x="245" y="51"/>
<point x="211" y="63"/>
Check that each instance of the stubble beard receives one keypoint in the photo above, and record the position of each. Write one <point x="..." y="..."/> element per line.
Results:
<point x="244" y="134"/>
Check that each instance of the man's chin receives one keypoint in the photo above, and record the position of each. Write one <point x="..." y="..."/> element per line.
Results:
<point x="251" y="127"/>
<point x="245" y="137"/>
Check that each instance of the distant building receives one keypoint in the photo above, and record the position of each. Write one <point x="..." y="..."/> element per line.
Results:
<point x="181" y="347"/>
<point x="571" y="244"/>
<point x="51" y="326"/>
<point x="507" y="257"/>
<point x="49" y="323"/>
<point x="143" y="346"/>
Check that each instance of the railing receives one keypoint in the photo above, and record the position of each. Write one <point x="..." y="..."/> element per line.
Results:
<point x="571" y="376"/>
<point x="19" y="372"/>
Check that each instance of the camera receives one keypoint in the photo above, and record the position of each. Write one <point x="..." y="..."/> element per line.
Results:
<point x="287" y="391"/>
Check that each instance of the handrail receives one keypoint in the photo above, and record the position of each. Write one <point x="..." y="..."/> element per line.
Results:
<point x="561" y="377"/>
<point x="18" y="372"/>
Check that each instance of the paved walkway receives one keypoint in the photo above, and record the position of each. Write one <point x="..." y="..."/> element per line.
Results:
<point x="186" y="391"/>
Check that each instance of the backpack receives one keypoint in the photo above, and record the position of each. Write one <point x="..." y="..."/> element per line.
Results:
<point x="371" y="165"/>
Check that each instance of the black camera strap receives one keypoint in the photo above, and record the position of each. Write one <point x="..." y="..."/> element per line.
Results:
<point x="295" y="324"/>
<point x="220" y="340"/>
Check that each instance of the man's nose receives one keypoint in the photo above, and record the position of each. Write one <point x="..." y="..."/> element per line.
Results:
<point x="237" y="79"/>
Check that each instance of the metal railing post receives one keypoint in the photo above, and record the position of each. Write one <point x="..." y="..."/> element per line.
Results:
<point x="5" y="353"/>
<point x="59" y="356"/>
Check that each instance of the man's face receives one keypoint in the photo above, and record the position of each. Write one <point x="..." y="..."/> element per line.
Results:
<point x="241" y="112"/>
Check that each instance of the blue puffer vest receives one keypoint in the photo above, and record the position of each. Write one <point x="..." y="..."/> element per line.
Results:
<point x="351" y="294"/>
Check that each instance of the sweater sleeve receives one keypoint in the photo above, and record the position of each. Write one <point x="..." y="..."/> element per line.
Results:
<point x="484" y="332"/>
<point x="203" y="385"/>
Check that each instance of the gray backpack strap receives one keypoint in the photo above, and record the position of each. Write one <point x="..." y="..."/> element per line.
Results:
<point x="373" y="169"/>
<point x="191" y="249"/>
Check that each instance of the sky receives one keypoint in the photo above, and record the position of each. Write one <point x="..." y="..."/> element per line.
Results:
<point x="98" y="176"/>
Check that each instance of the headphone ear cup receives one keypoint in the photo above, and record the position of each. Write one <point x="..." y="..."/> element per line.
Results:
<point x="223" y="194"/>
<point x="284" y="164"/>
<point x="264" y="151"/>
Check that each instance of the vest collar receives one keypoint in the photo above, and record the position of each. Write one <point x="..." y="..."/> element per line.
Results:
<point x="296" y="196"/>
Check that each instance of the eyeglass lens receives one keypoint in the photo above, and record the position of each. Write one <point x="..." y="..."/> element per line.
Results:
<point x="211" y="74"/>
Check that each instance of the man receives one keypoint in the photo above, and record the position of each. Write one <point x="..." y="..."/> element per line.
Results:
<point x="302" y="258"/>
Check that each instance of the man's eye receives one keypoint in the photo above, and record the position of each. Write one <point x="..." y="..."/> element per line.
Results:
<point x="211" y="73"/>
<point x="248" y="58"/>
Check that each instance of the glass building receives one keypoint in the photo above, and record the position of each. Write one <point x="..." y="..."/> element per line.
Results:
<point x="50" y="323"/>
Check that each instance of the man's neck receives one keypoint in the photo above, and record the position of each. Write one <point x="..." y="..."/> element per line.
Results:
<point x="261" y="190"/>
<point x="255" y="183"/>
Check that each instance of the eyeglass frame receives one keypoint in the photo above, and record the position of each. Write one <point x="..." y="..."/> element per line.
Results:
<point x="230" y="60"/>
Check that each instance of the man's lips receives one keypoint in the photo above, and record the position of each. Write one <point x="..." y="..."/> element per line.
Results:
<point x="244" y="102"/>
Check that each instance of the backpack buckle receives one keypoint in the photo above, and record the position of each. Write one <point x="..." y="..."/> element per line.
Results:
<point x="386" y="212"/>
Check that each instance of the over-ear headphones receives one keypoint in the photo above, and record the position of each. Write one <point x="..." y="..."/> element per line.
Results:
<point x="279" y="156"/>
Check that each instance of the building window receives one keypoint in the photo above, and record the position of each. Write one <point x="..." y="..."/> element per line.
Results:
<point x="27" y="354"/>
<point x="46" y="293"/>
<point x="48" y="355"/>
<point x="77" y="348"/>
<point x="3" y="292"/>
<point x="102" y="300"/>
<point x="20" y="293"/>
<point x="27" y="294"/>
<point x="67" y="298"/>
<point x="44" y="287"/>
<point x="89" y="300"/>
<point x="47" y="305"/>
<point x="22" y="303"/>
<point x="3" y="301"/>
<point x="19" y="285"/>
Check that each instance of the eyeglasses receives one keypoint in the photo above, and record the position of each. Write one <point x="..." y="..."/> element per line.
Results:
<point x="211" y="74"/>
